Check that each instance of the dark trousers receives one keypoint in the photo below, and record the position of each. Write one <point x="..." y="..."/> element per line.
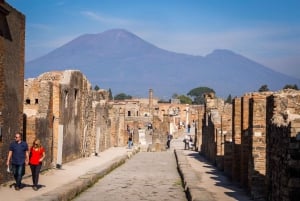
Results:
<point x="18" y="171"/>
<point x="168" y="144"/>
<point x="35" y="172"/>
<point x="186" y="145"/>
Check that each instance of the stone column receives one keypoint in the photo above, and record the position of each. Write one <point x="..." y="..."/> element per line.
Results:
<point x="245" y="141"/>
<point x="236" y="139"/>
<point x="257" y="157"/>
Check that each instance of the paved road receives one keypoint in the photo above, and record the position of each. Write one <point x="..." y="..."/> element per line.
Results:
<point x="147" y="176"/>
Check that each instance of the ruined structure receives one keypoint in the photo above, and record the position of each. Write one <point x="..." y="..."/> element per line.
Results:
<point x="12" y="40"/>
<point x="216" y="129"/>
<point x="262" y="154"/>
<point x="67" y="115"/>
<point x="283" y="146"/>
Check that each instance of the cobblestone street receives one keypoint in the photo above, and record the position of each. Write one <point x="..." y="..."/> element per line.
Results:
<point x="147" y="176"/>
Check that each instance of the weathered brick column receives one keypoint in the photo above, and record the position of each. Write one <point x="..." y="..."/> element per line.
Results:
<point x="257" y="157"/>
<point x="236" y="139"/>
<point x="228" y="157"/>
<point x="245" y="149"/>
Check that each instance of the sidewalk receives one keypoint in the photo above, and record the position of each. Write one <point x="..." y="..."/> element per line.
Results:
<point x="71" y="179"/>
<point x="203" y="181"/>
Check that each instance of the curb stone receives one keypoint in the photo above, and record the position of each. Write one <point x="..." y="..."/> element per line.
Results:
<point x="190" y="180"/>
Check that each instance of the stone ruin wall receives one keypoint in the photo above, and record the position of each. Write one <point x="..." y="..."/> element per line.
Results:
<point x="12" y="45"/>
<point x="266" y="135"/>
<point x="216" y="129"/>
<point x="38" y="115"/>
<point x="245" y="140"/>
<point x="257" y="141"/>
<point x="159" y="137"/>
<point x="283" y="146"/>
<point x="198" y="138"/>
<point x="236" y="139"/>
<point x="61" y="108"/>
<point x="119" y="133"/>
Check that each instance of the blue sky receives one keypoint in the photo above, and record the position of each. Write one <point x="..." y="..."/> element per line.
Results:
<point x="267" y="31"/>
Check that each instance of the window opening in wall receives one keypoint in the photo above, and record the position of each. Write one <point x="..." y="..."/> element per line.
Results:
<point x="75" y="94"/>
<point x="128" y="113"/>
<point x="4" y="28"/>
<point x="66" y="98"/>
<point x="137" y="113"/>
<point x="36" y="101"/>
<point x="76" y="101"/>
<point x="27" y="101"/>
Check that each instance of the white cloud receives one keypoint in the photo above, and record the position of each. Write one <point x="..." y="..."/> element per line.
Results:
<point x="106" y="20"/>
<point x="40" y="27"/>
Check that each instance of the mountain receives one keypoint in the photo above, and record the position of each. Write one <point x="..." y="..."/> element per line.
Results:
<point x="123" y="62"/>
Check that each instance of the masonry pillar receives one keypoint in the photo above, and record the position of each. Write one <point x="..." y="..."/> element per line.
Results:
<point x="257" y="157"/>
<point x="245" y="140"/>
<point x="236" y="139"/>
<point x="150" y="101"/>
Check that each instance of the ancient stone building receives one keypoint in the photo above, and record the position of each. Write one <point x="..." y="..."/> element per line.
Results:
<point x="100" y="132"/>
<point x="38" y="115"/>
<point x="283" y="146"/>
<point x="67" y="115"/>
<point x="12" y="43"/>
<point x="263" y="154"/>
<point x="216" y="129"/>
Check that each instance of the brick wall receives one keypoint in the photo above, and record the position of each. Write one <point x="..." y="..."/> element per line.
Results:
<point x="12" y="44"/>
<point x="38" y="116"/>
<point x="245" y="138"/>
<point x="257" y="157"/>
<point x="283" y="146"/>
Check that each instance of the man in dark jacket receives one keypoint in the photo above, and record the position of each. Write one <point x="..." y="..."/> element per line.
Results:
<point x="19" y="157"/>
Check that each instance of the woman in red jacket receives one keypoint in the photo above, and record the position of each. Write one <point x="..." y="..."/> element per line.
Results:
<point x="36" y="156"/>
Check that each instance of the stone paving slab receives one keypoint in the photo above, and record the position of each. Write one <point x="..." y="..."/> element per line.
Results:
<point x="148" y="176"/>
<point x="71" y="179"/>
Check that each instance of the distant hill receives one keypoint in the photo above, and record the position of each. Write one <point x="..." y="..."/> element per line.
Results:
<point x="123" y="62"/>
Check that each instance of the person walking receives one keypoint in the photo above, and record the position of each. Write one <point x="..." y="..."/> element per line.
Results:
<point x="189" y="128"/>
<point x="36" y="156"/>
<point x="169" y="138"/>
<point x="19" y="157"/>
<point x="186" y="142"/>
<point x="130" y="139"/>
<point x="191" y="143"/>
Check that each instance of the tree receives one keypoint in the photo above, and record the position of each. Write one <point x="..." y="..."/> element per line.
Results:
<point x="96" y="88"/>
<point x="198" y="94"/>
<point x="290" y="86"/>
<point x="229" y="99"/>
<point x="110" y="97"/>
<point x="185" y="99"/>
<point x="163" y="101"/>
<point x="175" y="95"/>
<point x="122" y="96"/>
<point x="263" y="88"/>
